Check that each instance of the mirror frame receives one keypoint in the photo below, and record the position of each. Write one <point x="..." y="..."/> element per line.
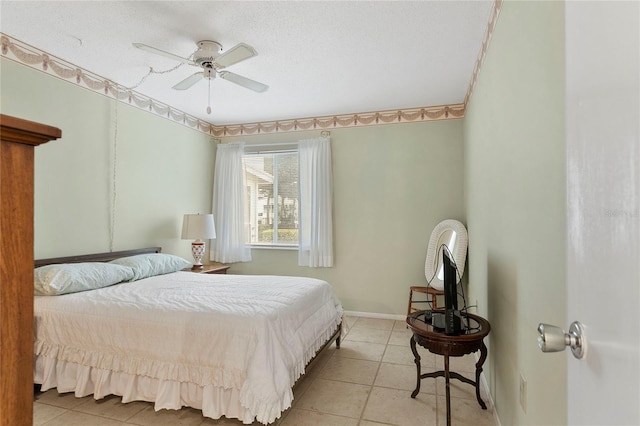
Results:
<point x="433" y="262"/>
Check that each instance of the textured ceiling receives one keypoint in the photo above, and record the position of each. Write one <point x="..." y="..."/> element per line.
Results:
<point x="318" y="58"/>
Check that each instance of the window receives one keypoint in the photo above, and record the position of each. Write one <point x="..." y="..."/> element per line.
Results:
<point x="271" y="211"/>
<point x="288" y="196"/>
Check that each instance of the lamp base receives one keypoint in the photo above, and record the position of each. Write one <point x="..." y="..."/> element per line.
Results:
<point x="197" y="250"/>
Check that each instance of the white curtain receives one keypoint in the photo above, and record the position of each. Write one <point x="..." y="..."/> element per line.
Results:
<point x="230" y="244"/>
<point x="316" y="223"/>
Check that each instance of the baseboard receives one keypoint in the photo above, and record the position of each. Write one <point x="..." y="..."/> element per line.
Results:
<point x="374" y="315"/>
<point x="485" y="386"/>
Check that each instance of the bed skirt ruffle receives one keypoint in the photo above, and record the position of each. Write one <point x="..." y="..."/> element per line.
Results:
<point x="214" y="401"/>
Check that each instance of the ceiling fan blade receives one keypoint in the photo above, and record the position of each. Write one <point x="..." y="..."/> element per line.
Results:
<point x="236" y="54"/>
<point x="162" y="53"/>
<point x="189" y="81"/>
<point x="243" y="81"/>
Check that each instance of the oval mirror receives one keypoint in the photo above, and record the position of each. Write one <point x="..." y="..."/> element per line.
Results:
<point x="452" y="234"/>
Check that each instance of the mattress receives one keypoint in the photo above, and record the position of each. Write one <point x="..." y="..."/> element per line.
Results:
<point x="230" y="345"/>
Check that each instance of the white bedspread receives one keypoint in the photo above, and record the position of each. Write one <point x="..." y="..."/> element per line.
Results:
<point x="250" y="336"/>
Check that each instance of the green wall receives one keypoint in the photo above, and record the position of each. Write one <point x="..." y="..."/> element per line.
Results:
<point x="392" y="185"/>
<point x="515" y="204"/>
<point x="163" y="169"/>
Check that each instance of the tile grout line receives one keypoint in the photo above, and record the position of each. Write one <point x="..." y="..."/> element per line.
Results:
<point x="386" y="345"/>
<point x="56" y="416"/>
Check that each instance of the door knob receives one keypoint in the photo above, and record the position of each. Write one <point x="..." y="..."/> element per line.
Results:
<point x="554" y="339"/>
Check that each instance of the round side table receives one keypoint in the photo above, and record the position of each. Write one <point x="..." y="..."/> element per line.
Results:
<point x="436" y="341"/>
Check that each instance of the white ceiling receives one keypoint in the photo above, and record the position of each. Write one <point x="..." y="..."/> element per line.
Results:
<point x="319" y="58"/>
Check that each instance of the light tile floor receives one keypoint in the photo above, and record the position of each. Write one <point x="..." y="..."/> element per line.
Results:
<point x="367" y="382"/>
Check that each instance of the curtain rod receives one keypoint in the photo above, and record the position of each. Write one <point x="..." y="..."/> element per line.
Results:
<point x="271" y="144"/>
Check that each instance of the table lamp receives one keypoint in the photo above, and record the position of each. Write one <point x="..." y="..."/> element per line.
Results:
<point x="199" y="227"/>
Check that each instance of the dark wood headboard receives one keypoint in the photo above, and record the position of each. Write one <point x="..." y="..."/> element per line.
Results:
<point x="97" y="257"/>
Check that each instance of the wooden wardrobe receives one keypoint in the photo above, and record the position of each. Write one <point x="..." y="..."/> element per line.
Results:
<point x="18" y="139"/>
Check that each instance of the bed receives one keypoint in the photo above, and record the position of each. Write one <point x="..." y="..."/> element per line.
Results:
<point x="229" y="345"/>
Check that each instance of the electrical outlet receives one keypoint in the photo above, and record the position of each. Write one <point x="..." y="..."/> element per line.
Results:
<point x="523" y="393"/>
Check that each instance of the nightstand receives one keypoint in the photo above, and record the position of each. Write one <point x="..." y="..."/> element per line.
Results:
<point x="210" y="268"/>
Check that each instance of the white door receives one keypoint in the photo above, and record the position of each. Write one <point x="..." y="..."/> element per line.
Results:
<point x="603" y="223"/>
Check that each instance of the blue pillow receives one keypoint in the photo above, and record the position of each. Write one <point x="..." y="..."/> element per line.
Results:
<point x="54" y="280"/>
<point x="148" y="265"/>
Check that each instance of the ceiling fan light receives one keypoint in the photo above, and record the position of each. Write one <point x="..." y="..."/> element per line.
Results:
<point x="206" y="62"/>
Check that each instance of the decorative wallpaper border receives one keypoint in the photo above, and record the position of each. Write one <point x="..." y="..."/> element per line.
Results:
<point x="372" y="118"/>
<point x="493" y="18"/>
<point x="34" y="58"/>
<point x="347" y="120"/>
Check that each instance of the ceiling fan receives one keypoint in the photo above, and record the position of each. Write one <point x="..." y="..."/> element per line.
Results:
<point x="209" y="57"/>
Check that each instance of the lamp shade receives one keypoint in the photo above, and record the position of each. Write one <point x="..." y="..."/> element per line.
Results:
<point x="198" y="226"/>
